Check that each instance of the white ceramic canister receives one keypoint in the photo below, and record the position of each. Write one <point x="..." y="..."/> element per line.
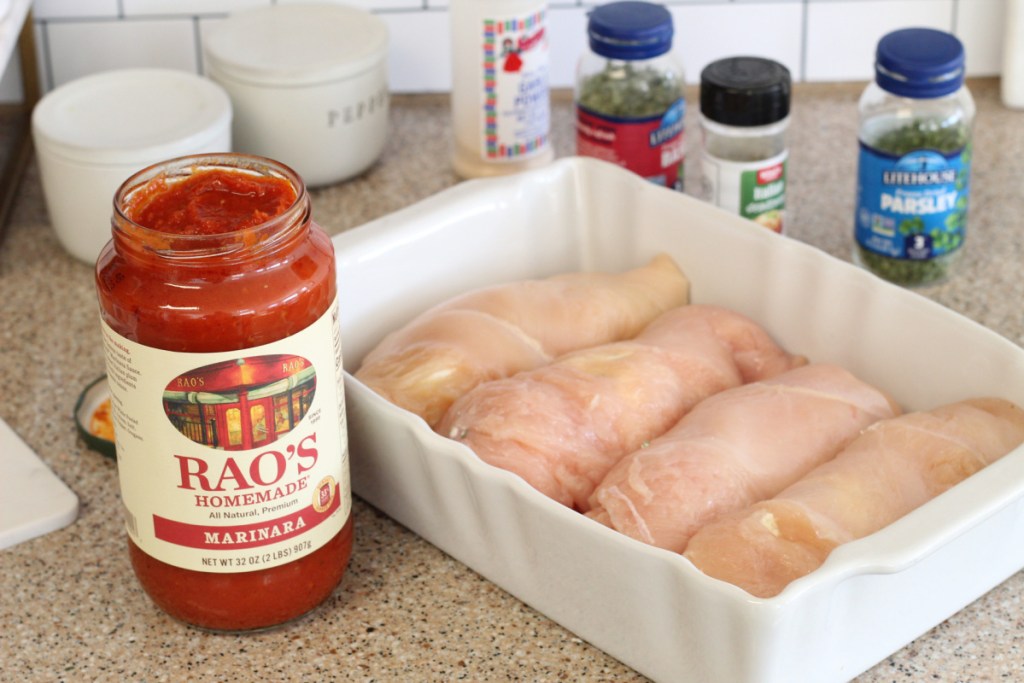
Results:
<point x="308" y="83"/>
<point x="92" y="133"/>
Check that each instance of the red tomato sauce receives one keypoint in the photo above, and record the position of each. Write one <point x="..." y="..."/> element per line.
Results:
<point x="211" y="202"/>
<point x="224" y="308"/>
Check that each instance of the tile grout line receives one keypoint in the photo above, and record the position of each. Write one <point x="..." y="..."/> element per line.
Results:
<point x="804" y="34"/>
<point x="44" y="49"/>
<point x="197" y="45"/>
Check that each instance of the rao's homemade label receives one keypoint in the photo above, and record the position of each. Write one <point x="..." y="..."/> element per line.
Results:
<point x="515" y="66"/>
<point x="232" y="461"/>
<point x="912" y="207"/>
<point x="651" y="146"/>
<point x="752" y="189"/>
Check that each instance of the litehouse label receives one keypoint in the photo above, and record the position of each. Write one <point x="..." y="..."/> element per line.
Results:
<point x="652" y="147"/>
<point x="912" y="207"/>
<point x="232" y="461"/>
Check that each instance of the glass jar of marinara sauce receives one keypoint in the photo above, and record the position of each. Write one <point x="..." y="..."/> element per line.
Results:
<point x="219" y="317"/>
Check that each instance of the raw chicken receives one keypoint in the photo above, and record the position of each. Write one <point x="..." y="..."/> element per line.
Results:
<point x="737" y="447"/>
<point x="561" y="427"/>
<point x="497" y="331"/>
<point x="892" y="468"/>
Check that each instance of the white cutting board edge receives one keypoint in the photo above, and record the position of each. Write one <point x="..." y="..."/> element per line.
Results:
<point x="33" y="500"/>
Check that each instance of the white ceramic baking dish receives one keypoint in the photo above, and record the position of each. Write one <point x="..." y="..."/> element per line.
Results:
<point x="649" y="608"/>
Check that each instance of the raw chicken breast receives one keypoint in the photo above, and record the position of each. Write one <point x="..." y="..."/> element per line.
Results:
<point x="497" y="331"/>
<point x="561" y="427"/>
<point x="895" y="466"/>
<point x="737" y="447"/>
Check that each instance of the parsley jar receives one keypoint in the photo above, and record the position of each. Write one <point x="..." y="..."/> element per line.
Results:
<point x="629" y="92"/>
<point x="913" y="176"/>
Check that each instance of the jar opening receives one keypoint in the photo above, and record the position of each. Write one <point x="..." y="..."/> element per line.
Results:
<point x="257" y="234"/>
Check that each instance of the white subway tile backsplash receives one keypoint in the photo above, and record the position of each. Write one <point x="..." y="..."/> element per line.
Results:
<point x="706" y="32"/>
<point x="371" y="5"/>
<point x="134" y="8"/>
<point x="419" y="58"/>
<point x="205" y="24"/>
<point x="64" y="9"/>
<point x="819" y="40"/>
<point x="79" y="48"/>
<point x="842" y="35"/>
<point x="979" y="25"/>
<point x="689" y="2"/>
<point x="568" y="28"/>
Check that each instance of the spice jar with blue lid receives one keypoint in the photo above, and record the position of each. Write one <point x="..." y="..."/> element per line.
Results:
<point x="629" y="92"/>
<point x="913" y="177"/>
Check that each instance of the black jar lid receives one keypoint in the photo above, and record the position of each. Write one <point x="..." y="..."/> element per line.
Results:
<point x="630" y="30"/>
<point x="745" y="91"/>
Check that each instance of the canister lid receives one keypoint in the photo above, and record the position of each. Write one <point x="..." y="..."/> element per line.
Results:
<point x="296" y="44"/>
<point x="745" y="91"/>
<point x="919" y="62"/>
<point x="630" y="30"/>
<point x="131" y="116"/>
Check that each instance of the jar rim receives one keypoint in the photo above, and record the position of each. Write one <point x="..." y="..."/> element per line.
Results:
<point x="229" y="246"/>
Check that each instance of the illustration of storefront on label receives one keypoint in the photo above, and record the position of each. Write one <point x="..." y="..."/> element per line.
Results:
<point x="242" y="403"/>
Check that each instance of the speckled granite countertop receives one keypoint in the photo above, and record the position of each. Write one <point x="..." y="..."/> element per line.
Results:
<point x="71" y="610"/>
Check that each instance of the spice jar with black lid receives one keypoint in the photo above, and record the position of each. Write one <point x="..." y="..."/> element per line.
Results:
<point x="629" y="92"/>
<point x="913" y="176"/>
<point x="744" y="104"/>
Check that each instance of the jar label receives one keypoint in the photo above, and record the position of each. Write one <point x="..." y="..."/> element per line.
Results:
<point x="232" y="461"/>
<point x="912" y="207"/>
<point x="752" y="189"/>
<point x="515" y="69"/>
<point x="652" y="147"/>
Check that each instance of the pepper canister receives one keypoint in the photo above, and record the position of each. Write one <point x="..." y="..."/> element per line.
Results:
<point x="308" y="83"/>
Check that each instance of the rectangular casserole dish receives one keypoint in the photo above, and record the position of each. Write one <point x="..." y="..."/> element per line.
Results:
<point x="649" y="608"/>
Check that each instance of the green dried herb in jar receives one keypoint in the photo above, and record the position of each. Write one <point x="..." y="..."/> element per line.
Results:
<point x="915" y="159"/>
<point x="629" y="92"/>
<point x="622" y="89"/>
<point x="924" y="134"/>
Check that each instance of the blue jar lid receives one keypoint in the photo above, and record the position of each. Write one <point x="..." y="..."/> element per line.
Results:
<point x="919" y="62"/>
<point x="630" y="30"/>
